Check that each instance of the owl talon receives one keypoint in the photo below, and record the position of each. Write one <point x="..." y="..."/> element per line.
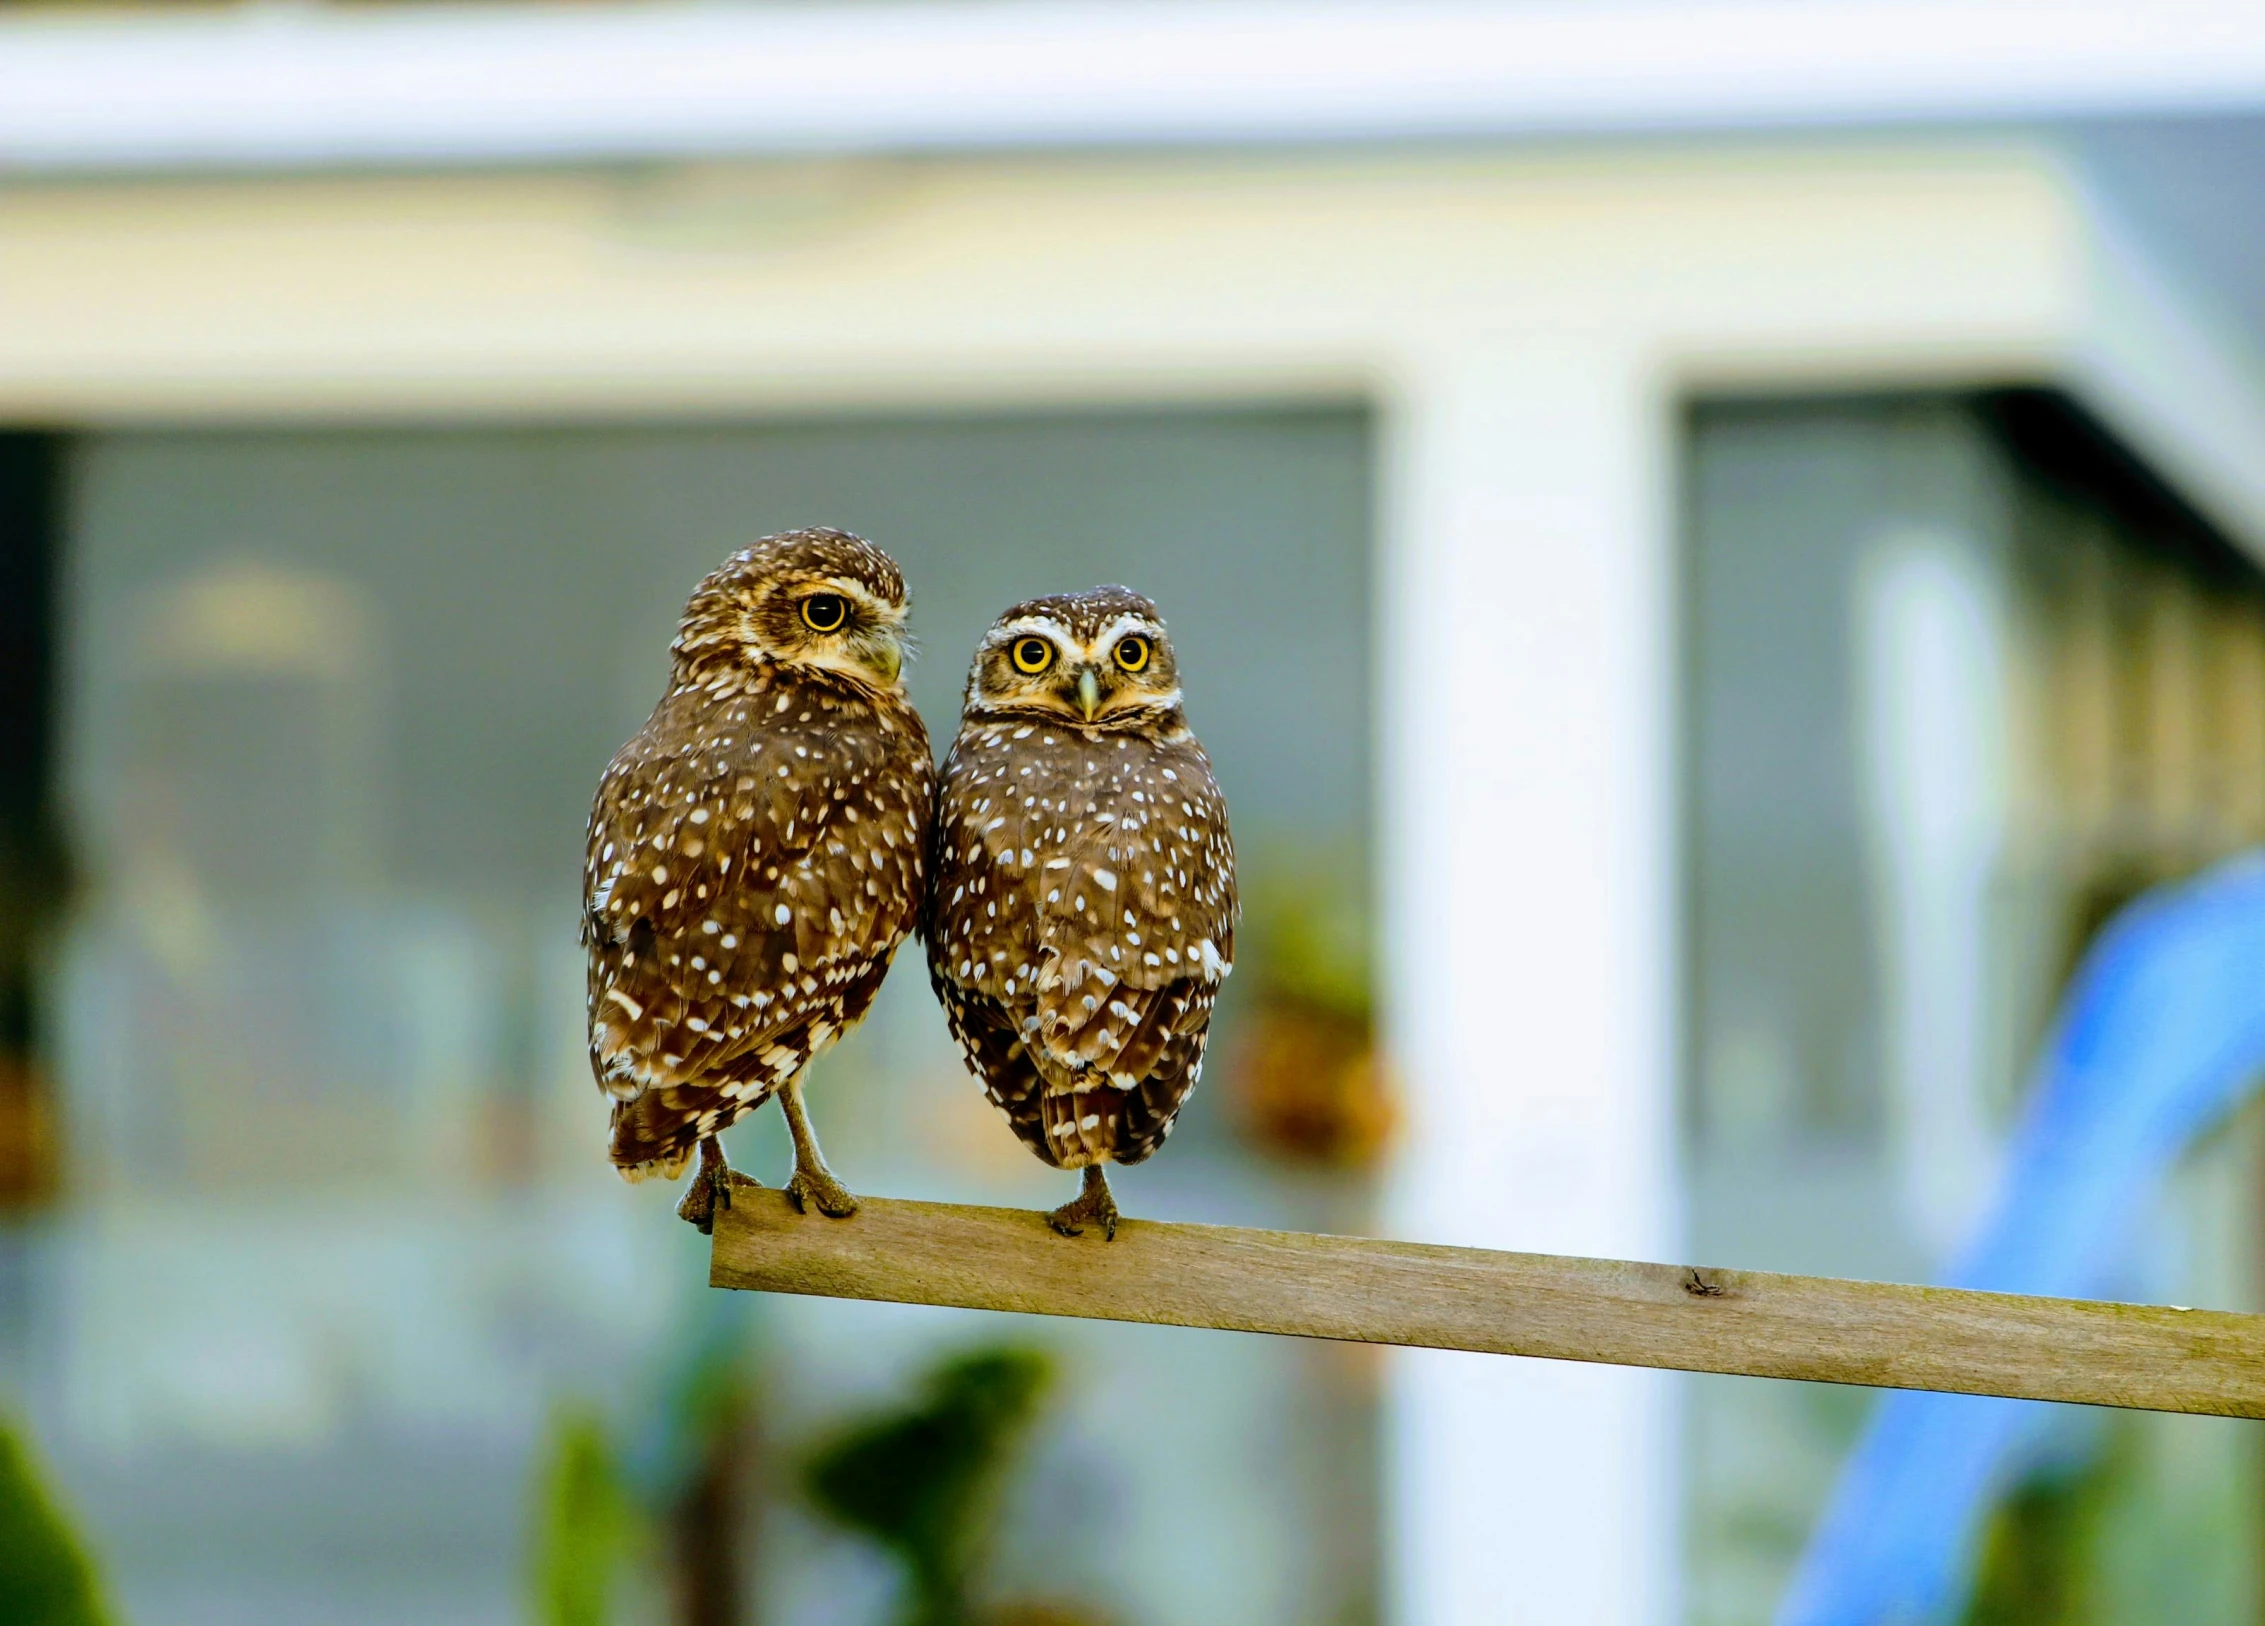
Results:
<point x="699" y="1207"/>
<point x="813" y="1182"/>
<point x="818" y="1187"/>
<point x="710" y="1189"/>
<point x="1092" y="1206"/>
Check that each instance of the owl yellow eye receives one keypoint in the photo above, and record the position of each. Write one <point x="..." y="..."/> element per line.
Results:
<point x="825" y="612"/>
<point x="1032" y="655"/>
<point x="1132" y="653"/>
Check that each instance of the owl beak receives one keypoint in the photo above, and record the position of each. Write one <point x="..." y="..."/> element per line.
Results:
<point x="1088" y="693"/>
<point x="888" y="655"/>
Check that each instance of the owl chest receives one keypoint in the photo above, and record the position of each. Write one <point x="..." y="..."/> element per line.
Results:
<point x="1028" y="825"/>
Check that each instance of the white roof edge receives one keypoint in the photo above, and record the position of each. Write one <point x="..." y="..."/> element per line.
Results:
<point x="294" y="86"/>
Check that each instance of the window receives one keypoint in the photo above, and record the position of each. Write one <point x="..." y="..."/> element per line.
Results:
<point x="1961" y="681"/>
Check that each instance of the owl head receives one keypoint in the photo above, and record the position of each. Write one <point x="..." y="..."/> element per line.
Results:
<point x="1098" y="659"/>
<point x="816" y="598"/>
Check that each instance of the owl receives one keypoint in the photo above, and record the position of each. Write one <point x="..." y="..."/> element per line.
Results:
<point x="756" y="856"/>
<point x="1081" y="912"/>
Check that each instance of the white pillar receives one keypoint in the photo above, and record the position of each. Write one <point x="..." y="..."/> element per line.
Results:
<point x="1529" y="836"/>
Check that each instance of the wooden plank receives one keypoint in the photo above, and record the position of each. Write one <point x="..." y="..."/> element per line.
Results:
<point x="1698" y="1320"/>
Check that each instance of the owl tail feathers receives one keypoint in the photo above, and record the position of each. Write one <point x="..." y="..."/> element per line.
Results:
<point x="659" y="1168"/>
<point x="649" y="1144"/>
<point x="1081" y="1125"/>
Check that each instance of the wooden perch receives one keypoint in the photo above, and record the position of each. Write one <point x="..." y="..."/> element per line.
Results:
<point x="1697" y="1320"/>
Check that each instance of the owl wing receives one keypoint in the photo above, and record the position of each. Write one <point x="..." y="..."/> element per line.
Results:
<point x="985" y="1029"/>
<point x="742" y="882"/>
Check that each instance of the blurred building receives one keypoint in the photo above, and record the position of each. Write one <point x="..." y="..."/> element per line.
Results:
<point x="1734" y="523"/>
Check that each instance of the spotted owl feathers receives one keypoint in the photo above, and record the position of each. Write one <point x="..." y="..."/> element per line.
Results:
<point x="1082" y="904"/>
<point x="757" y="850"/>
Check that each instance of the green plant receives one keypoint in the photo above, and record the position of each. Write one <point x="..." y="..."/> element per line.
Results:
<point x="588" y="1525"/>
<point x="1304" y="1078"/>
<point x="1306" y="928"/>
<point x="45" y="1577"/>
<point x="925" y="1480"/>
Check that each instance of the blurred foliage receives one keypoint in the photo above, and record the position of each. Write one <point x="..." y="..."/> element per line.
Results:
<point x="2032" y="1571"/>
<point x="1306" y="932"/>
<point x="1306" y="1080"/>
<point x="589" y="1525"/>
<point x="1043" y="1614"/>
<point x="711" y="1538"/>
<point x="698" y="1456"/>
<point x="30" y="1159"/>
<point x="925" y="1480"/>
<point x="1309" y="1086"/>
<point x="659" y="1499"/>
<point x="34" y="871"/>
<point x="2130" y="1519"/>
<point x="45" y="1578"/>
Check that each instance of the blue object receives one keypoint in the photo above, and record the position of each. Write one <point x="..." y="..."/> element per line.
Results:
<point x="2162" y="1035"/>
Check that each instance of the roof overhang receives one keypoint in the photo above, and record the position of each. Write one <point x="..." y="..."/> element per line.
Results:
<point x="311" y="86"/>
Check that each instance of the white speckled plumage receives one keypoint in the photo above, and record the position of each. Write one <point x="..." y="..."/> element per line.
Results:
<point x="1082" y="898"/>
<point x="757" y="851"/>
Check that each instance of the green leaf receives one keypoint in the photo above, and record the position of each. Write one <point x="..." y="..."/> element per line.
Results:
<point x="588" y="1526"/>
<point x="924" y="1480"/>
<point x="45" y="1577"/>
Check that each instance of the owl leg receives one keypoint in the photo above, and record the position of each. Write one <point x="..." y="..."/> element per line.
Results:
<point x="1092" y="1206"/>
<point x="710" y="1189"/>
<point x="813" y="1182"/>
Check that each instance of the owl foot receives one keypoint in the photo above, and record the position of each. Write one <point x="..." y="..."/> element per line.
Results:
<point x="813" y="1182"/>
<point x="815" y="1186"/>
<point x="1092" y="1206"/>
<point x="710" y="1189"/>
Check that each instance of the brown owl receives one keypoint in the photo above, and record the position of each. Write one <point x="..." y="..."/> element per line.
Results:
<point x="756" y="855"/>
<point x="1081" y="911"/>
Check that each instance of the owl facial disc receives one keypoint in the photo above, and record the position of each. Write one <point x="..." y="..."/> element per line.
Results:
<point x="817" y="598"/>
<point x="1098" y="659"/>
